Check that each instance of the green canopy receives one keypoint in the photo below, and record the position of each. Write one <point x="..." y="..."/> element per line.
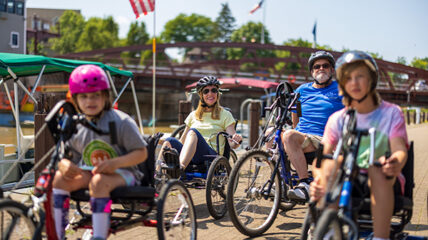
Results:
<point x="29" y="65"/>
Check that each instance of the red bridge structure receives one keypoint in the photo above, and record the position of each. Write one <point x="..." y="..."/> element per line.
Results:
<point x="399" y="83"/>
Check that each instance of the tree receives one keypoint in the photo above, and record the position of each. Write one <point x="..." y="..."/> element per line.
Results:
<point x="292" y="67"/>
<point x="224" y="24"/>
<point x="401" y="60"/>
<point x="250" y="33"/>
<point x="71" y="25"/>
<point x="193" y="28"/>
<point x="137" y="34"/>
<point x="420" y="63"/>
<point x="98" y="33"/>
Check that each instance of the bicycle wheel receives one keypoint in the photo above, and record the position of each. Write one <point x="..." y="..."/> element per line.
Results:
<point x="329" y="226"/>
<point x="251" y="211"/>
<point x="179" y="131"/>
<point x="15" y="221"/>
<point x="232" y="159"/>
<point x="307" y="227"/>
<point x="176" y="217"/>
<point x="217" y="178"/>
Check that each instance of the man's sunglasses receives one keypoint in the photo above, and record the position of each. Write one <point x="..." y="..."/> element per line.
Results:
<point x="325" y="66"/>
<point x="213" y="90"/>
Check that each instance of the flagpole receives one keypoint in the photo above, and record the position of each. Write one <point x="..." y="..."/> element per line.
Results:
<point x="154" y="72"/>
<point x="263" y="22"/>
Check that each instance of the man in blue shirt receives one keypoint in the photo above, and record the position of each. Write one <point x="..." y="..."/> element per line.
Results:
<point x="319" y="99"/>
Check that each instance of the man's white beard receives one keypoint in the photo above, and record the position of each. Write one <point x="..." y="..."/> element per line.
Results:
<point x="322" y="77"/>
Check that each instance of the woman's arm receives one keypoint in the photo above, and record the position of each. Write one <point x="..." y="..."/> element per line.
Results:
<point x="236" y="137"/>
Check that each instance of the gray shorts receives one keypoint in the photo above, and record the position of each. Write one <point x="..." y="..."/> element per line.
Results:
<point x="310" y="138"/>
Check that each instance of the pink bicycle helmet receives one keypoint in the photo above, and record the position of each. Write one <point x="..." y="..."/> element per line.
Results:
<point x="88" y="78"/>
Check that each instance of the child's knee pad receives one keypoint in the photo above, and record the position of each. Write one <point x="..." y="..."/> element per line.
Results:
<point x="171" y="157"/>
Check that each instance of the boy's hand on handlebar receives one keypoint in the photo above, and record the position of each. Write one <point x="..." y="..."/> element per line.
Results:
<point x="68" y="169"/>
<point x="316" y="190"/>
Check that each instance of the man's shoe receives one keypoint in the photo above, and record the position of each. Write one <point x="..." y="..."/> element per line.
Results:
<point x="300" y="192"/>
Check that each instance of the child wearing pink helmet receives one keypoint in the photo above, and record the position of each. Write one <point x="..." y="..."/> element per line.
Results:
<point x="95" y="162"/>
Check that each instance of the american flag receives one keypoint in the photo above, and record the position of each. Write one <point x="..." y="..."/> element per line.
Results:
<point x="142" y="6"/>
<point x="258" y="5"/>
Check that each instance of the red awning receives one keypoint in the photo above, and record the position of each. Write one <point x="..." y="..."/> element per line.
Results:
<point x="241" y="82"/>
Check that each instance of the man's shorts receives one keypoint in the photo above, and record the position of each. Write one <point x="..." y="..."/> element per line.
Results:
<point x="310" y="138"/>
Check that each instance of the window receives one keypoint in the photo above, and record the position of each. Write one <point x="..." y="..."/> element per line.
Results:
<point x="14" y="40"/>
<point x="20" y="8"/>
<point x="3" y="5"/>
<point x="11" y="6"/>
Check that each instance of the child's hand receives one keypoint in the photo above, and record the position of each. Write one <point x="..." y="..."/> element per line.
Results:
<point x="316" y="189"/>
<point x="68" y="169"/>
<point x="390" y="166"/>
<point x="107" y="166"/>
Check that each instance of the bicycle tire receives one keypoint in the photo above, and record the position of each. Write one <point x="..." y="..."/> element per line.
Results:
<point x="306" y="227"/>
<point x="217" y="178"/>
<point x="11" y="225"/>
<point x="176" y="216"/>
<point x="241" y="197"/>
<point x="179" y="131"/>
<point x="233" y="158"/>
<point x="329" y="226"/>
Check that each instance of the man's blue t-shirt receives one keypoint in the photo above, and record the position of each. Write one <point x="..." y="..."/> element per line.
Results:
<point x="317" y="106"/>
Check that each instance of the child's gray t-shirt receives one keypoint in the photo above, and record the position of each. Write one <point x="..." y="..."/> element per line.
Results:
<point x="88" y="147"/>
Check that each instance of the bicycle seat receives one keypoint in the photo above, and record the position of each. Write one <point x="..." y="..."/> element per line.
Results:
<point x="120" y="194"/>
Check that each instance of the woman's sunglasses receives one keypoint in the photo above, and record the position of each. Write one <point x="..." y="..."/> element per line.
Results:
<point x="213" y="90"/>
<point x="318" y="66"/>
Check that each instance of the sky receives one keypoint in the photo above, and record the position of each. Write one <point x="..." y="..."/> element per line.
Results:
<point x="392" y="28"/>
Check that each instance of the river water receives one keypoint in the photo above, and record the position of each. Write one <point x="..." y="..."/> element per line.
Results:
<point x="8" y="134"/>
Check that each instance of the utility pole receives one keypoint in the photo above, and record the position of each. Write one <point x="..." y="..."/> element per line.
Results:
<point x="36" y="30"/>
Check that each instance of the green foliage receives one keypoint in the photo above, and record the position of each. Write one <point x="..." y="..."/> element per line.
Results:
<point x="147" y="55"/>
<point x="71" y="25"/>
<point x="193" y="28"/>
<point x="41" y="48"/>
<point x="98" y="33"/>
<point x="250" y="32"/>
<point x="420" y="63"/>
<point x="224" y="24"/>
<point x="401" y="60"/>
<point x="80" y="35"/>
<point x="375" y="55"/>
<point x="137" y="34"/>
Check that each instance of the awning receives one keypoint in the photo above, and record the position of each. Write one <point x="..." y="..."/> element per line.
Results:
<point x="241" y="82"/>
<point x="30" y="65"/>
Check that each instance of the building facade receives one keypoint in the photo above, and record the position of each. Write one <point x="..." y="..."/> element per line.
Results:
<point x="12" y="25"/>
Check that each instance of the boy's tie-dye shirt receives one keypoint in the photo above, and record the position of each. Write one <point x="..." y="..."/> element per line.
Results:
<point x="388" y="119"/>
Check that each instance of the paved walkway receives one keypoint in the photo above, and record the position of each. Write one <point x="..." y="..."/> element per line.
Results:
<point x="288" y="224"/>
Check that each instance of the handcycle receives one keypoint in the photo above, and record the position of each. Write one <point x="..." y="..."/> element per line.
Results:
<point x="212" y="174"/>
<point x="175" y="216"/>
<point x="260" y="178"/>
<point x="352" y="219"/>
